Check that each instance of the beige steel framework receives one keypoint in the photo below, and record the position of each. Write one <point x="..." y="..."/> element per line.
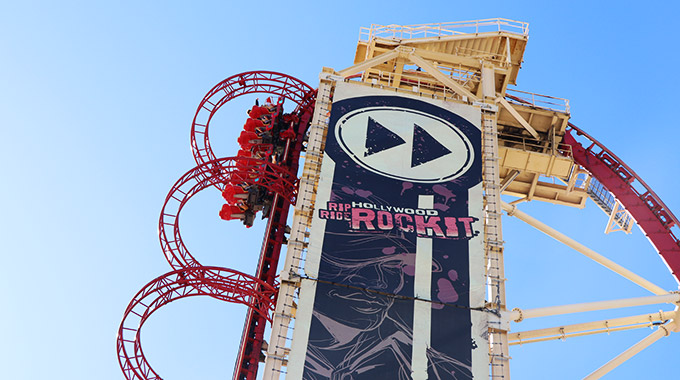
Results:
<point x="524" y="155"/>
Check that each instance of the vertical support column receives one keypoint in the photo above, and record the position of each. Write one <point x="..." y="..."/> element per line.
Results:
<point x="284" y="314"/>
<point x="493" y="234"/>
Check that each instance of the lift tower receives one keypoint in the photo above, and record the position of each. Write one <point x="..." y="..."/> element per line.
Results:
<point x="395" y="257"/>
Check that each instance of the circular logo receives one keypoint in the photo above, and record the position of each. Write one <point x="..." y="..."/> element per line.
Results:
<point x="405" y="144"/>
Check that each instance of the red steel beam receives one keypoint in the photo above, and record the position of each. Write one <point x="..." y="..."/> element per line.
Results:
<point x="652" y="215"/>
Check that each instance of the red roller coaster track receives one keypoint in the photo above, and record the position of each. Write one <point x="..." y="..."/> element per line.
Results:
<point x="652" y="215"/>
<point x="220" y="171"/>
<point x="252" y="82"/>
<point x="220" y="283"/>
<point x="190" y="278"/>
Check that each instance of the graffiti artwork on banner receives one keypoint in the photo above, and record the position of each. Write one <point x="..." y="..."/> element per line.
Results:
<point x="399" y="205"/>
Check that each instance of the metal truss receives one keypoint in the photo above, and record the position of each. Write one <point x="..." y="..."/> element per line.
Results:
<point x="190" y="278"/>
<point x="217" y="172"/>
<point x="252" y="82"/>
<point x="665" y="320"/>
<point x="220" y="283"/>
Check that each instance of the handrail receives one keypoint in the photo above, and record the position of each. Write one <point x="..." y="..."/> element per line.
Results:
<point x="539" y="100"/>
<point x="394" y="31"/>
<point x="527" y="142"/>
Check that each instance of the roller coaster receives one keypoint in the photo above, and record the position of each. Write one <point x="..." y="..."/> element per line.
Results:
<point x="263" y="178"/>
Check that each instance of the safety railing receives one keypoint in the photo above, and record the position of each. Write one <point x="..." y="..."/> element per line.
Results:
<point x="538" y="100"/>
<point x="608" y="203"/>
<point x="400" y="32"/>
<point x="530" y="144"/>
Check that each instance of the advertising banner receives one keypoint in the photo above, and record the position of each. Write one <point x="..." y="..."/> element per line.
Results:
<point x="395" y="263"/>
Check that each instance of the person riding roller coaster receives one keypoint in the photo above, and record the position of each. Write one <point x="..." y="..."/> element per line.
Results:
<point x="264" y="137"/>
<point x="248" y="139"/>
<point x="241" y="204"/>
<point x="254" y="125"/>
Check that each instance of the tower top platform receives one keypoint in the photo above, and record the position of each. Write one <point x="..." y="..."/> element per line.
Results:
<point x="457" y="49"/>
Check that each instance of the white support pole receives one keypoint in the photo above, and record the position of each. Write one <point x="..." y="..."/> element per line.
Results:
<point x="518" y="315"/>
<point x="609" y="264"/>
<point x="662" y="331"/>
<point x="596" y="327"/>
<point x="577" y="334"/>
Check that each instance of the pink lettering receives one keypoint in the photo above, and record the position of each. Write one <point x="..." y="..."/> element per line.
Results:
<point x="467" y="223"/>
<point x="362" y="215"/>
<point x="399" y="221"/>
<point x="422" y="226"/>
<point x="451" y="227"/>
<point x="385" y="220"/>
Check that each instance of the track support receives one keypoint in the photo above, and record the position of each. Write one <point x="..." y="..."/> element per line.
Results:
<point x="519" y="315"/>
<point x="590" y="328"/>
<point x="662" y="331"/>
<point x="609" y="264"/>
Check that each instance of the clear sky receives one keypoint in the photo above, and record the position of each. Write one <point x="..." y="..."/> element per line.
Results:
<point x="96" y="103"/>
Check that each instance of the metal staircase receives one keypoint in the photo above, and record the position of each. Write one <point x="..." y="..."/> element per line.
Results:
<point x="611" y="206"/>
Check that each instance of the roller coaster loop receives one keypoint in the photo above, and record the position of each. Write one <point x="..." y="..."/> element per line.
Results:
<point x="267" y="82"/>
<point x="220" y="283"/>
<point x="233" y="170"/>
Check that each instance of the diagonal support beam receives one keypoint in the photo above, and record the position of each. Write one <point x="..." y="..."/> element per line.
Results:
<point x="609" y="264"/>
<point x="508" y="179"/>
<point x="662" y="331"/>
<point x="367" y="64"/>
<point x="448" y="82"/>
<point x="517" y="116"/>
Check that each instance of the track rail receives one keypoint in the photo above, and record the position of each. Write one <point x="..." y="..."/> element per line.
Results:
<point x="220" y="283"/>
<point x="649" y="211"/>
<point x="217" y="172"/>
<point x="248" y="358"/>
<point x="266" y="82"/>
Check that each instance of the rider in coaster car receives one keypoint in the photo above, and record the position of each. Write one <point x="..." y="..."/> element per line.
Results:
<point x="232" y="193"/>
<point x="258" y="111"/>
<point x="247" y="139"/>
<point x="229" y="212"/>
<point x="254" y="125"/>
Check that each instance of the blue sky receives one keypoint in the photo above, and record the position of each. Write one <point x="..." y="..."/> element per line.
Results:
<point x="96" y="103"/>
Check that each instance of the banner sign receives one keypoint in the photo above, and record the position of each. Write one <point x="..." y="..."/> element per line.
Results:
<point x="396" y="255"/>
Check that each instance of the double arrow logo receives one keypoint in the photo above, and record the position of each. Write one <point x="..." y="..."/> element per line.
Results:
<point x="424" y="149"/>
